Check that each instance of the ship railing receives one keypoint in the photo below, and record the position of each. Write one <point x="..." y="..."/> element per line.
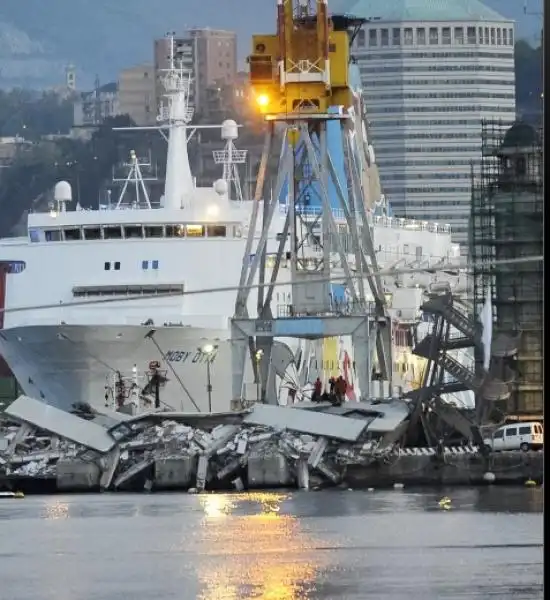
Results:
<point x="380" y="221"/>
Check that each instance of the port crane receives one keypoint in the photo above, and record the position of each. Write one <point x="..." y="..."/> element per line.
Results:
<point x="301" y="83"/>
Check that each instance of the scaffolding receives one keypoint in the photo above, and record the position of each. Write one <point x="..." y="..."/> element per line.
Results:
<point x="507" y="223"/>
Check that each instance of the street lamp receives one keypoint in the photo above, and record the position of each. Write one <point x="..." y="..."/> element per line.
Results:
<point x="258" y="357"/>
<point x="208" y="351"/>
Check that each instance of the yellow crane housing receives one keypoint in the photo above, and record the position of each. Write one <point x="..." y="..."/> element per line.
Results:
<point x="303" y="68"/>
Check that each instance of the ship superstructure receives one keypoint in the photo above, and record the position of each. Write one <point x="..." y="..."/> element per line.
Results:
<point x="96" y="305"/>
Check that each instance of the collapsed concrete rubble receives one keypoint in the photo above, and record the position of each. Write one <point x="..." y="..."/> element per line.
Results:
<point x="270" y="447"/>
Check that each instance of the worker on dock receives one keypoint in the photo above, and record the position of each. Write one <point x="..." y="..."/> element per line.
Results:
<point x="317" y="390"/>
<point x="340" y="389"/>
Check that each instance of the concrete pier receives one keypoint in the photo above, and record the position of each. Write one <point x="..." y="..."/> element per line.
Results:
<point x="269" y="471"/>
<point x="461" y="469"/>
<point x="175" y="473"/>
<point x="274" y="470"/>
<point x="77" y="476"/>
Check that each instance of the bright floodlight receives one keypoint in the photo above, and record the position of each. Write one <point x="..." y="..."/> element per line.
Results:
<point x="262" y="100"/>
<point x="207" y="349"/>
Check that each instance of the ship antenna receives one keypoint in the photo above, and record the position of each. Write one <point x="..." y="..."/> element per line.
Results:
<point x="134" y="177"/>
<point x="230" y="158"/>
<point x="177" y="114"/>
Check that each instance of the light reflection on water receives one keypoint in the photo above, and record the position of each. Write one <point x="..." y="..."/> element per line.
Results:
<point x="385" y="545"/>
<point x="268" y="550"/>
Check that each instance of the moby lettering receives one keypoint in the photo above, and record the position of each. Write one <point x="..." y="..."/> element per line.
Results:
<point x="184" y="356"/>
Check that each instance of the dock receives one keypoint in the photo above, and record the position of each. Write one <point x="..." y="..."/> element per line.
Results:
<point x="307" y="447"/>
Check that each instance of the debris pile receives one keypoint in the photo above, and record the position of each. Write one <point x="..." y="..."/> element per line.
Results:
<point x="227" y="456"/>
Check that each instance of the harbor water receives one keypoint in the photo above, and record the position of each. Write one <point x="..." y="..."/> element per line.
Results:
<point x="337" y="544"/>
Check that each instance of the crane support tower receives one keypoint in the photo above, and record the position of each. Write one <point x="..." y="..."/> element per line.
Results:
<point x="300" y="78"/>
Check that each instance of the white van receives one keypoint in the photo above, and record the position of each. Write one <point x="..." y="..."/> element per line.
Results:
<point x="519" y="436"/>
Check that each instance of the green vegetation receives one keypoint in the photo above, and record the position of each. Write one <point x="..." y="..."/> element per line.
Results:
<point x="86" y="165"/>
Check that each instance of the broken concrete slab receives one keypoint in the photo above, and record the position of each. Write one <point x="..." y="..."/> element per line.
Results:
<point x="43" y="416"/>
<point x="314" y="423"/>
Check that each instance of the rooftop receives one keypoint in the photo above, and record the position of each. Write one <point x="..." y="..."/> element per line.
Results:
<point x="418" y="10"/>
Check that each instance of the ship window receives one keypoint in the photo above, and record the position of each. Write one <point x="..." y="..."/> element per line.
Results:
<point x="53" y="235"/>
<point x="16" y="266"/>
<point x="175" y="231"/>
<point x="112" y="233"/>
<point x="471" y="34"/>
<point x="194" y="230"/>
<point x="434" y="36"/>
<point x="446" y="35"/>
<point x="92" y="233"/>
<point x="117" y="266"/>
<point x="154" y="231"/>
<point x="145" y="265"/>
<point x="384" y="40"/>
<point x="421" y="36"/>
<point x="155" y="264"/>
<point x="133" y="231"/>
<point x="373" y="37"/>
<point x="34" y="235"/>
<point x="107" y="266"/>
<point x="71" y="235"/>
<point x="408" y="36"/>
<point x="459" y="35"/>
<point x="216" y="231"/>
<point x="396" y="36"/>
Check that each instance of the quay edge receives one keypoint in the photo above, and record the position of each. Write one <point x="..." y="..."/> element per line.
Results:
<point x="179" y="474"/>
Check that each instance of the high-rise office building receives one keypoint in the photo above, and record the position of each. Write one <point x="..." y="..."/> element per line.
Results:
<point x="432" y="70"/>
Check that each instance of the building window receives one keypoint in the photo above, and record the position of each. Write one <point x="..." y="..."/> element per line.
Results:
<point x="155" y="264"/>
<point x="480" y="35"/>
<point x="486" y="36"/>
<point x="145" y="265"/>
<point x="499" y="39"/>
<point x="434" y="36"/>
<point x="492" y="36"/>
<point x="446" y="35"/>
<point x="459" y="35"/>
<point x="117" y="266"/>
<point x="384" y="39"/>
<point x="396" y="36"/>
<point x="107" y="266"/>
<point x="421" y="36"/>
<point x="504" y="37"/>
<point x="471" y="35"/>
<point x="361" y="38"/>
<point x="511" y="37"/>
<point x="408" y="36"/>
<point x="373" y="37"/>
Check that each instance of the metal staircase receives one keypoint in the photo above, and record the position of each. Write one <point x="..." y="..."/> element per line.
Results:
<point x="435" y="348"/>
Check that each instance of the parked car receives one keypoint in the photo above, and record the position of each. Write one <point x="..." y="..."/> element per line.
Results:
<point x="519" y="436"/>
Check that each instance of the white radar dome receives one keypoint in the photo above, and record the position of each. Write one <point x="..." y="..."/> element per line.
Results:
<point x="230" y="131"/>
<point x="220" y="187"/>
<point x="63" y="192"/>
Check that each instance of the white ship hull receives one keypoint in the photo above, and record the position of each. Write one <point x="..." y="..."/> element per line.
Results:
<point x="69" y="364"/>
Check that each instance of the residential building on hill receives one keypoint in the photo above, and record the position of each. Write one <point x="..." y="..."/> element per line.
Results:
<point x="137" y="94"/>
